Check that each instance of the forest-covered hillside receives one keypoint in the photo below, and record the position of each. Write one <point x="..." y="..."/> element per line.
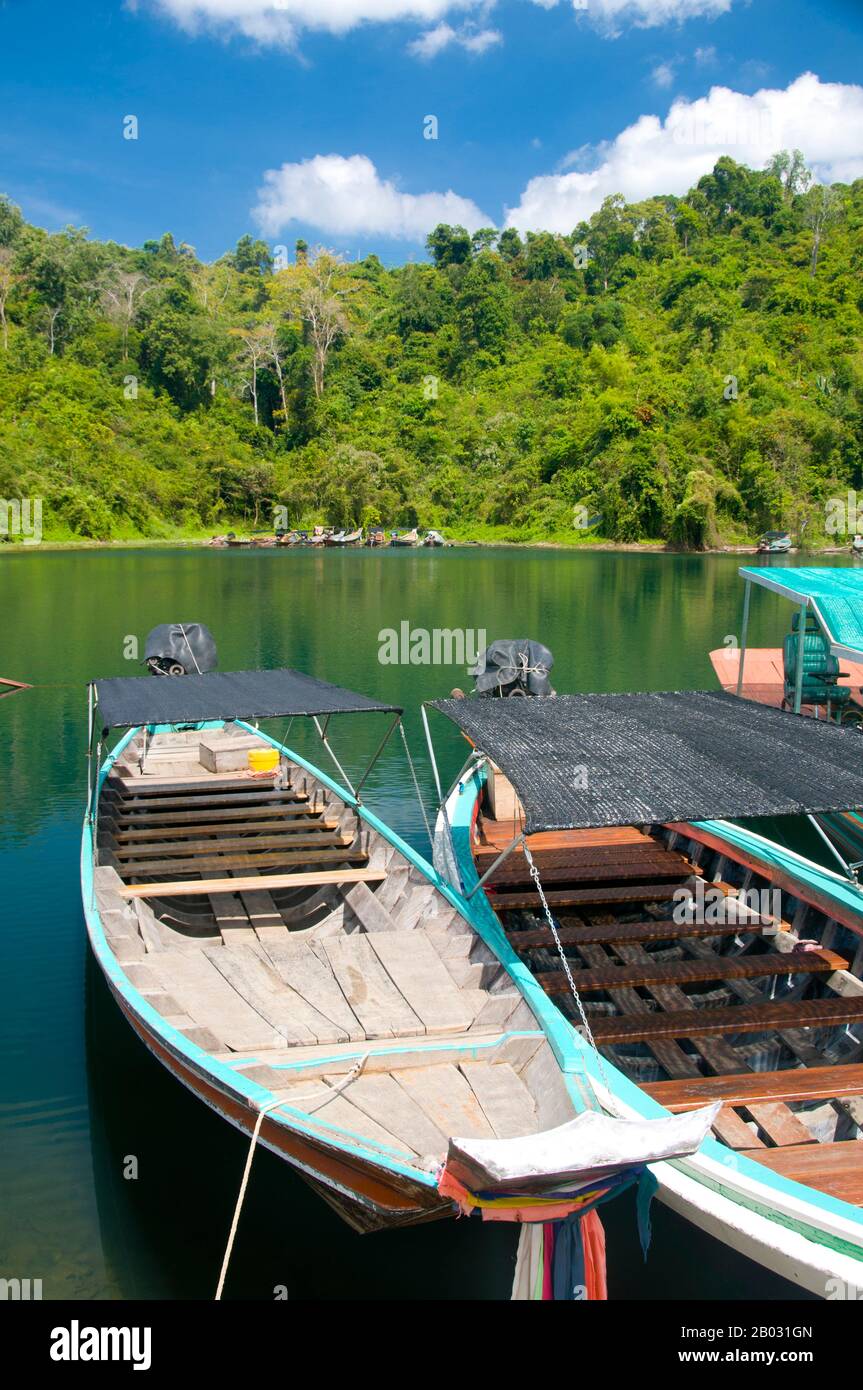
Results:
<point x="679" y="369"/>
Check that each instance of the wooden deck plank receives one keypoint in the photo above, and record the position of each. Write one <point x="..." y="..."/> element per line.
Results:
<point x="286" y="1010"/>
<point x="224" y="830"/>
<point x="179" y="848"/>
<point x="315" y="1098"/>
<point x="605" y="933"/>
<point x="194" y="887"/>
<point x="575" y="897"/>
<point x="793" y="1084"/>
<point x="777" y="1121"/>
<point x="420" y="975"/>
<point x="370" y="912"/>
<point x="448" y="1100"/>
<point x="681" y="972"/>
<point x="156" y="802"/>
<point x="231" y="917"/>
<point x="278" y="812"/>
<point x="836" y="1169"/>
<point x="378" y="1004"/>
<point x="141" y="868"/>
<point x="571" y="871"/>
<point x="207" y="997"/>
<point x="743" y="1018"/>
<point x="299" y="966"/>
<point x="506" y="1102"/>
<point x="380" y="1097"/>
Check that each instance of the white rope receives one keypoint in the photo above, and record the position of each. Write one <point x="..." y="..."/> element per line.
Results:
<point x="416" y="784"/>
<point x="264" y="1110"/>
<point x="189" y="645"/>
<point x="534" y="873"/>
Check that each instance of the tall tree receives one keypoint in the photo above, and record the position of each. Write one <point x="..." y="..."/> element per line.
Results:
<point x="322" y="309"/>
<point x="822" y="209"/>
<point x="122" y="291"/>
<point x="789" y="167"/>
<point x="7" y="280"/>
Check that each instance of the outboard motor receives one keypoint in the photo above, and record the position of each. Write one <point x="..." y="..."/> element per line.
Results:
<point x="180" y="649"/>
<point x="514" y="667"/>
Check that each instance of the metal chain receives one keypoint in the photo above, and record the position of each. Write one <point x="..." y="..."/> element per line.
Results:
<point x="534" y="873"/>
<point x="416" y="784"/>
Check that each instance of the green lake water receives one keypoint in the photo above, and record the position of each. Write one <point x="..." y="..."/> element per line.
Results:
<point x="79" y="1094"/>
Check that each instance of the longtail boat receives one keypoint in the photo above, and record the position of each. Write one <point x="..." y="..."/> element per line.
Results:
<point x="301" y="969"/>
<point x="8" y="687"/>
<point x="695" y="960"/>
<point x="405" y="537"/>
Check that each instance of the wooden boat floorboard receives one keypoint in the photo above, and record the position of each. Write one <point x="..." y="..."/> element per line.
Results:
<point x="613" y="977"/>
<point x="743" y="1018"/>
<point x="833" y="1168"/>
<point x="792" y="1084"/>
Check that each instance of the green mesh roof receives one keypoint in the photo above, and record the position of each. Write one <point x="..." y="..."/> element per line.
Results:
<point x="835" y="595"/>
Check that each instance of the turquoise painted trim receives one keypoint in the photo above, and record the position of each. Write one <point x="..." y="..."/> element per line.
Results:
<point x="835" y="886"/>
<point x="391" y="1051"/>
<point x="575" y="1054"/>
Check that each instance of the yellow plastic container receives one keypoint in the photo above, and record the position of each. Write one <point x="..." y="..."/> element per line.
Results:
<point x="263" y="759"/>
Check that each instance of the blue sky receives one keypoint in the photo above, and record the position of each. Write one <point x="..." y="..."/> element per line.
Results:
<point x="543" y="107"/>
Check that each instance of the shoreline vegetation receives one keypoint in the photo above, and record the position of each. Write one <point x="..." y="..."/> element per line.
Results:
<point x="681" y="372"/>
<point x="486" y="542"/>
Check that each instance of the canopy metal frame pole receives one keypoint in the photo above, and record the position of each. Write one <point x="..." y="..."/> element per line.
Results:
<point x="380" y="748"/>
<point x="747" y="595"/>
<point x="432" y="757"/>
<point x="850" y="869"/>
<point x="801" y="643"/>
<point x="326" y="743"/>
<point x="504" y="854"/>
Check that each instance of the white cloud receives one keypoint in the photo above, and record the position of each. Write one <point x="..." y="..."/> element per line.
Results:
<point x="343" y="196"/>
<point x="469" y="37"/>
<point x="611" y="15"/>
<point x="663" y="74"/>
<point x="823" y="119"/>
<point x="705" y="57"/>
<point x="280" y="22"/>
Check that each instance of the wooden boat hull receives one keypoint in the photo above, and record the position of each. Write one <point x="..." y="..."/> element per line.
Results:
<point x="376" y="1178"/>
<point x="812" y="1238"/>
<point x="365" y="1198"/>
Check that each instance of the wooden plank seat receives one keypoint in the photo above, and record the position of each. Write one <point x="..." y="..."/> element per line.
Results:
<point x="740" y="1018"/>
<point x="302" y="814"/>
<point x="836" y="1169"/>
<point x="575" y="897"/>
<point x="682" y="972"/>
<point x="651" y="869"/>
<point x="656" y="929"/>
<point x="157" y="784"/>
<point x="177" y="864"/>
<point x="255" y="794"/>
<point x="169" y="849"/>
<point x="193" y="887"/>
<point x="793" y="1084"/>
<point x="600" y="854"/>
<point x="296" y="830"/>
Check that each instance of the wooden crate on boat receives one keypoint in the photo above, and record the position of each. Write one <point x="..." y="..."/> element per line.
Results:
<point x="220" y="754"/>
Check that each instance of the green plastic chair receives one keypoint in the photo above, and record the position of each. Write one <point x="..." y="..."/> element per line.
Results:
<point x="820" y="669"/>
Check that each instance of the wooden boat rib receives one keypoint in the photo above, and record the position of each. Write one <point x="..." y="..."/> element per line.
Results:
<point x="761" y="1012"/>
<point x="269" y="939"/>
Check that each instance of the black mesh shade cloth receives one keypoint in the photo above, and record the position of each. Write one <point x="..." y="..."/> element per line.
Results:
<point x="590" y="760"/>
<point x="125" y="702"/>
